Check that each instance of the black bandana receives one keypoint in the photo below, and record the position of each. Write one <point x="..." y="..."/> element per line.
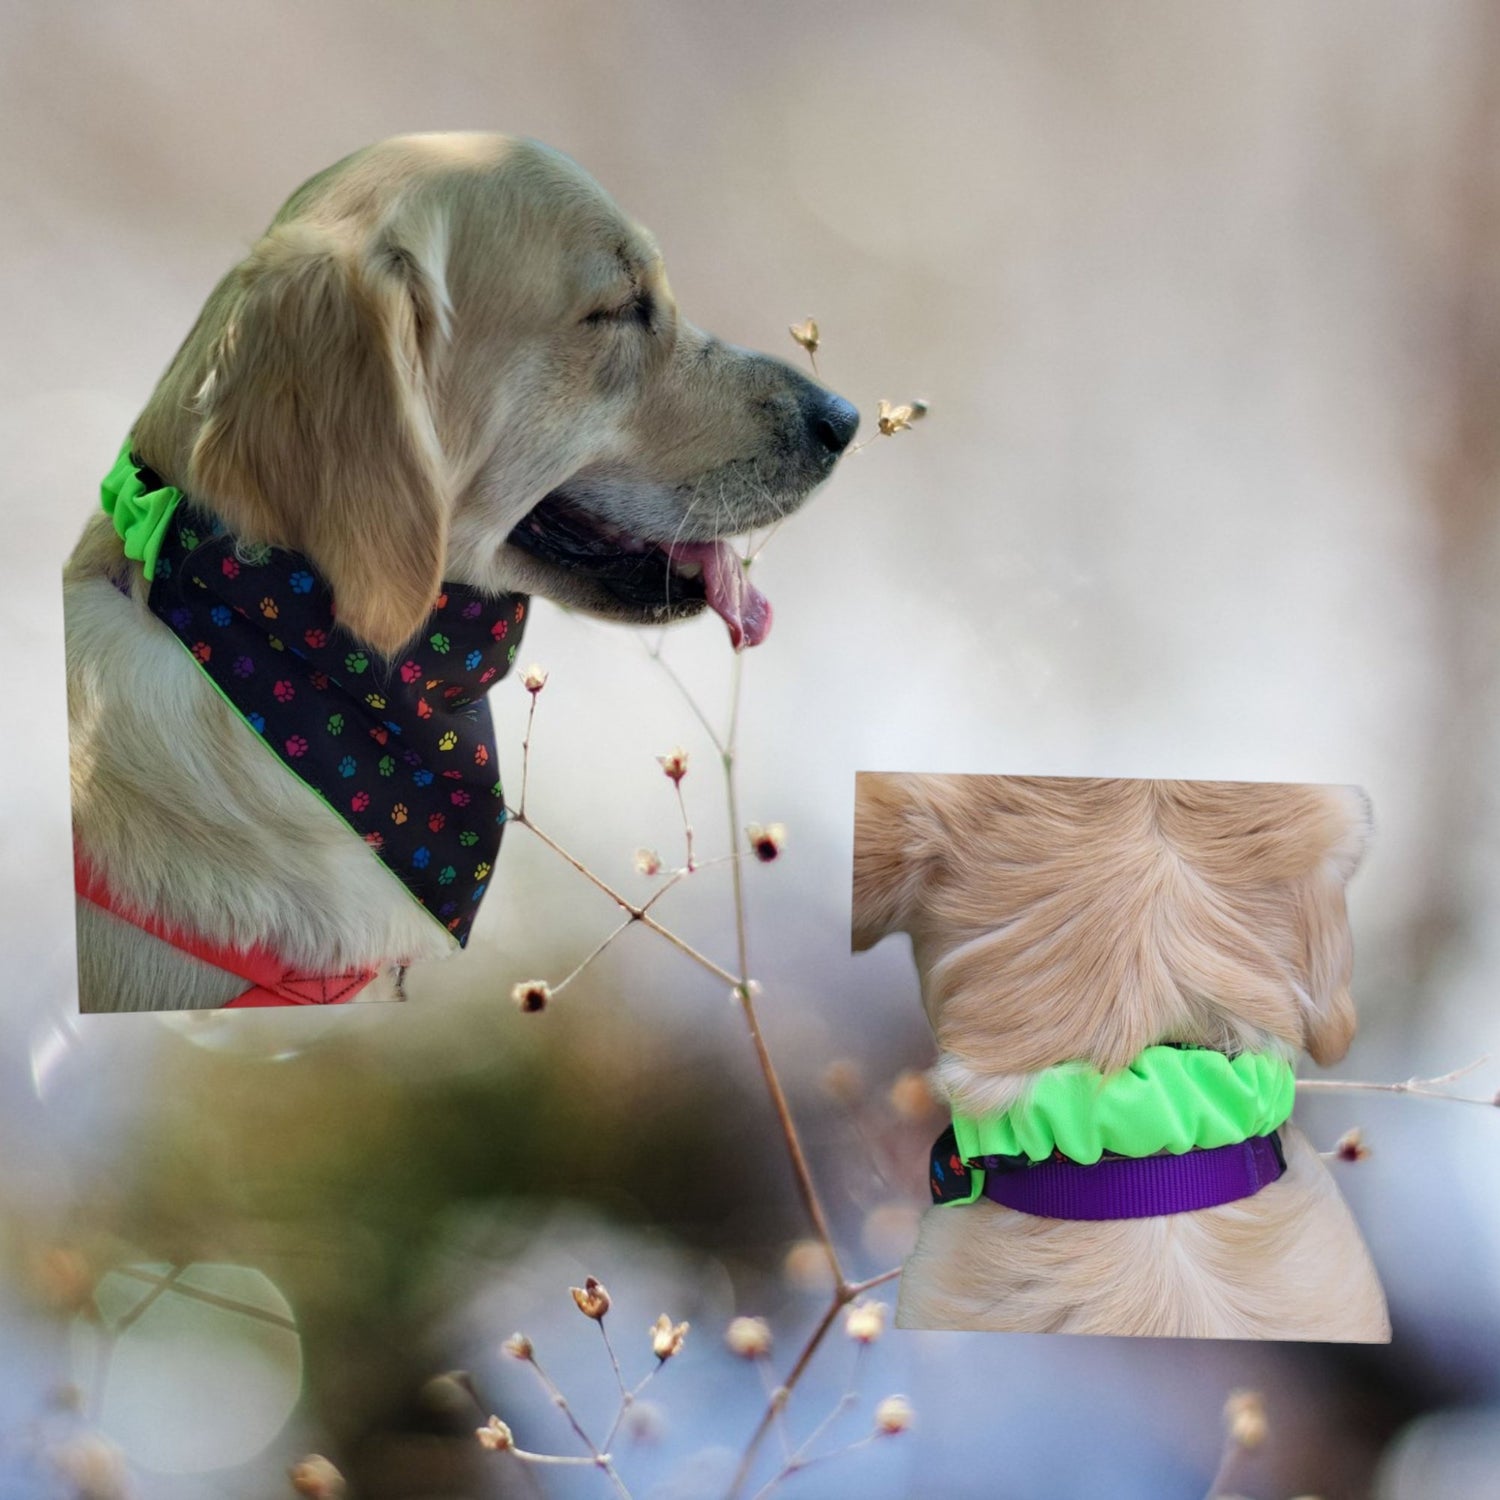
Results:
<point x="403" y="750"/>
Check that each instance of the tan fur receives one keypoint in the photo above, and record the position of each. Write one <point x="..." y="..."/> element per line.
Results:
<point x="1054" y="919"/>
<point x="396" y="374"/>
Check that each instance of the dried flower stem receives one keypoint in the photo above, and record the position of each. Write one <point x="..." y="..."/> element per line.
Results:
<point x="526" y="758"/>
<point x="597" y="1456"/>
<point x="1428" y="1088"/>
<point x="687" y="827"/>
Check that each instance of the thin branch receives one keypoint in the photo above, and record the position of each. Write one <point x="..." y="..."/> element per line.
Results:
<point x="1427" y="1088"/>
<point x="526" y="755"/>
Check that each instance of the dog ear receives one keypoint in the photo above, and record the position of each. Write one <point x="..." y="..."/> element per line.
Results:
<point x="317" y="433"/>
<point x="895" y="850"/>
<point x="1328" y="958"/>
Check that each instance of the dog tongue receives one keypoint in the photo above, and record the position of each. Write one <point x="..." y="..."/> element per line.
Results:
<point x="731" y="595"/>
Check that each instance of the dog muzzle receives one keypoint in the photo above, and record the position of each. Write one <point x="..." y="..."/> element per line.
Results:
<point x="1179" y="1129"/>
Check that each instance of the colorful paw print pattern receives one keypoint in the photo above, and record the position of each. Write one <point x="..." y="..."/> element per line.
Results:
<point x="403" y="750"/>
<point x="948" y="1176"/>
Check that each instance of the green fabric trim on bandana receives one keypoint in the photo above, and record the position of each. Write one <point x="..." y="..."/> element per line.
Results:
<point x="1169" y="1099"/>
<point x="140" y="515"/>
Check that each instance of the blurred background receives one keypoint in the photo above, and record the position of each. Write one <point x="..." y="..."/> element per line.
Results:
<point x="1204" y="298"/>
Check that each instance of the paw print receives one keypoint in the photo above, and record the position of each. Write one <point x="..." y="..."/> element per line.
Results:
<point x="296" y="746"/>
<point x="375" y="700"/>
<point x="500" y="629"/>
<point x="468" y="838"/>
<point x="320" y="680"/>
<point x="399" y="813"/>
<point x="283" y="691"/>
<point x="189" y="537"/>
<point x="473" y="659"/>
<point x="439" y="642"/>
<point x="459" y="798"/>
<point x="477" y="892"/>
<point x="269" y="608"/>
<point x="257" y="554"/>
<point x="220" y="615"/>
<point x="454" y="775"/>
<point x="359" y="801"/>
<point x="375" y="840"/>
<point x="257" y="722"/>
<point x="380" y="734"/>
<point x="276" y="643"/>
<point x="387" y="765"/>
<point x="312" y="639"/>
<point x="520" y="611"/>
<point x="488" y="675"/>
<point x="481" y="869"/>
<point x="421" y="858"/>
<point x="243" y="666"/>
<point x="423" y="777"/>
<point x="410" y="671"/>
<point x="497" y="790"/>
<point x="424" y="709"/>
<point x="335" y="723"/>
<point x="229" y="567"/>
<point x="473" y="609"/>
<point x="441" y="602"/>
<point x="454" y="691"/>
<point x="435" y="823"/>
<point x="448" y="740"/>
<point x="180" y="619"/>
<point x="356" y="661"/>
<point x="202" y="650"/>
<point x="447" y="875"/>
<point x="347" y="766"/>
<point x="302" y="582"/>
<point x="481" y="755"/>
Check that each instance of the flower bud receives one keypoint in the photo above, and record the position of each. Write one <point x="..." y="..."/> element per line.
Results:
<point x="647" y="862"/>
<point x="806" y="333"/>
<point x="535" y="679"/>
<point x="518" y="1346"/>
<point x="749" y="1338"/>
<point x="495" y="1436"/>
<point x="674" y="763"/>
<point x="865" y="1322"/>
<point x="893" y="1415"/>
<point x="531" y="995"/>
<point x="766" y="843"/>
<point x="666" y="1338"/>
<point x="591" y="1297"/>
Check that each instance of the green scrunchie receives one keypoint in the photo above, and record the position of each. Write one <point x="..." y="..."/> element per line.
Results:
<point x="140" y="515"/>
<point x="1170" y="1099"/>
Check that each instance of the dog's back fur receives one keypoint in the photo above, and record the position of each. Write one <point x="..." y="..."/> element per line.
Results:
<point x="1054" y="919"/>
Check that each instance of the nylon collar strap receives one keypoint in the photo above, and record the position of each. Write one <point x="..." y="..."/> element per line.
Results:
<point x="1170" y="1101"/>
<point x="403" y="751"/>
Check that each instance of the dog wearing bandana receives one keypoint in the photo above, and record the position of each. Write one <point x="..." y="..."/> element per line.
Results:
<point x="451" y="376"/>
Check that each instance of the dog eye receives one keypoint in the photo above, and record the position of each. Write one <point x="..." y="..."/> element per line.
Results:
<point x="639" y="309"/>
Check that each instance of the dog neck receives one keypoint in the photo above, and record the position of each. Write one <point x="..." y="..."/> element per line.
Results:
<point x="402" y="750"/>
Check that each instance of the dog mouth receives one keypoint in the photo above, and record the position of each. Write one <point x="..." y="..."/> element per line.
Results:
<point x="668" y="578"/>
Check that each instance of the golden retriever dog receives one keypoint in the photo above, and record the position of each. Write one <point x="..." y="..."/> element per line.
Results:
<point x="1056" y="919"/>
<point x="451" y="359"/>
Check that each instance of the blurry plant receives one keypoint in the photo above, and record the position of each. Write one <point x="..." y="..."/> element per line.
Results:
<point x="750" y="1337"/>
<point x="593" y="1301"/>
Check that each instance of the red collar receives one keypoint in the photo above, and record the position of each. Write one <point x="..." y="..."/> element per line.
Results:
<point x="272" y="981"/>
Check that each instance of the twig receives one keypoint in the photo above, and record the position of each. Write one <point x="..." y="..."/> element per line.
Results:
<point x="1427" y="1088"/>
<point x="526" y="756"/>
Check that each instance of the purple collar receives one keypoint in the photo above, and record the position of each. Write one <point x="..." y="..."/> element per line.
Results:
<point x="1116" y="1187"/>
<point x="1140" y="1187"/>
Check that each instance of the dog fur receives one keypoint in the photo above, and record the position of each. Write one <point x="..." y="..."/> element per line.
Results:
<point x="433" y="336"/>
<point x="1054" y="919"/>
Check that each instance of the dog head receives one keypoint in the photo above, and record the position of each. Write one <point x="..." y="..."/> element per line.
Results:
<point x="453" y="356"/>
<point x="1056" y="918"/>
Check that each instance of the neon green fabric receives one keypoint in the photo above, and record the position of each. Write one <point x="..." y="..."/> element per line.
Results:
<point x="1170" y="1099"/>
<point x="140" y="515"/>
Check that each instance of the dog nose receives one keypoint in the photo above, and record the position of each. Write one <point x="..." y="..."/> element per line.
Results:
<point x="833" y="422"/>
